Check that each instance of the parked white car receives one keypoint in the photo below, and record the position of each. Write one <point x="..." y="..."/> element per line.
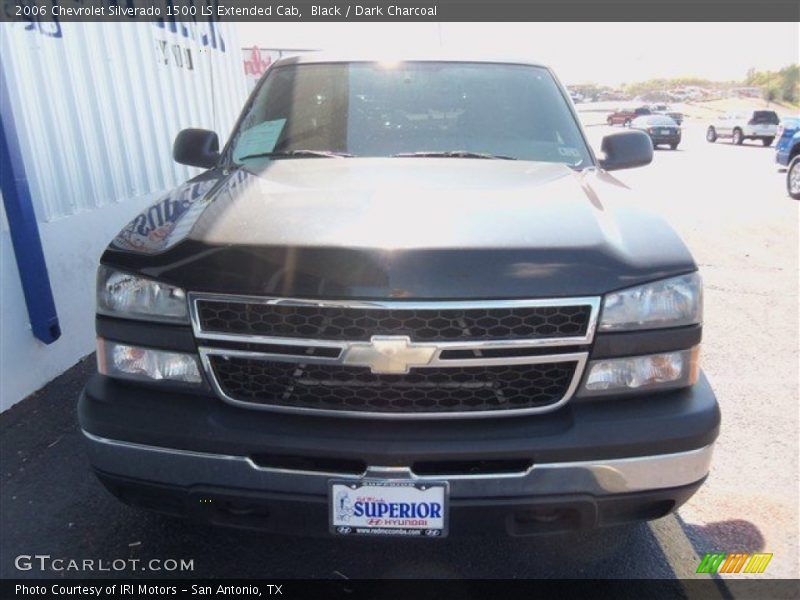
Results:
<point x="749" y="125"/>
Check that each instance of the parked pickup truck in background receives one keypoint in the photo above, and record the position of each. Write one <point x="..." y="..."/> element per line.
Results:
<point x="787" y="146"/>
<point x="787" y="153"/>
<point x="663" y="109"/>
<point x="405" y="299"/>
<point x="624" y="116"/>
<point x="750" y="125"/>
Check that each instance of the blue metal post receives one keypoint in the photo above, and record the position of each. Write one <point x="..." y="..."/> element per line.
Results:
<point x="23" y="226"/>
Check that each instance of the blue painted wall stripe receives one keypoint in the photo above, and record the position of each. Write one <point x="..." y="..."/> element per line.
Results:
<point x="23" y="226"/>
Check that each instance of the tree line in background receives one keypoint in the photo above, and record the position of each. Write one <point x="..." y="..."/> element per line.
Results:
<point x="775" y="86"/>
<point x="656" y="85"/>
<point x="783" y="85"/>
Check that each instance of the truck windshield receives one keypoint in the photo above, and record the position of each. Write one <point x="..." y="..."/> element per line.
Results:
<point x="450" y="109"/>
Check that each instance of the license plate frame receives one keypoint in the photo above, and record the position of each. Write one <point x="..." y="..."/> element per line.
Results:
<point x="343" y="521"/>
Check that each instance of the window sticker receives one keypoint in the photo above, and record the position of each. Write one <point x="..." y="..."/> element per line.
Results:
<point x="259" y="139"/>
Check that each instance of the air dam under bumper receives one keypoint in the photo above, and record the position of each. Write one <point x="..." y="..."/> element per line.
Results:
<point x="233" y="491"/>
<point x="593" y="463"/>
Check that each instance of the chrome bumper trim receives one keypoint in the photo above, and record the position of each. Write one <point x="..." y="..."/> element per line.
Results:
<point x="186" y="468"/>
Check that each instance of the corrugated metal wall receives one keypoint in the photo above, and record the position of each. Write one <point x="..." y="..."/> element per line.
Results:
<point x="97" y="105"/>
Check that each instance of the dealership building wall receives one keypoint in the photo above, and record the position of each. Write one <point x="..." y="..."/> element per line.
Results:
<point x="257" y="60"/>
<point x="96" y="107"/>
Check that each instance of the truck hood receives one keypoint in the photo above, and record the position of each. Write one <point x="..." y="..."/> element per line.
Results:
<point x="401" y="228"/>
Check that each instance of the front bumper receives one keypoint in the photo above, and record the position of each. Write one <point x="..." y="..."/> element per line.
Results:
<point x="591" y="463"/>
<point x="307" y="514"/>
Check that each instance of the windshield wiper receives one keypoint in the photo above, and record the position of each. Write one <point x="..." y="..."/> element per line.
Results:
<point x="453" y="154"/>
<point x="299" y="154"/>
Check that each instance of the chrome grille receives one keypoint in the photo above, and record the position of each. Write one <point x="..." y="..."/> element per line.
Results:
<point x="420" y="324"/>
<point x="394" y="358"/>
<point x="436" y="390"/>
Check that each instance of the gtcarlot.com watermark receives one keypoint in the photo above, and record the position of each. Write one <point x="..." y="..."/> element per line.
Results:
<point x="45" y="562"/>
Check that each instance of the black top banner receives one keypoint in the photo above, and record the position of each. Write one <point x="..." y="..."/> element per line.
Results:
<point x="402" y="10"/>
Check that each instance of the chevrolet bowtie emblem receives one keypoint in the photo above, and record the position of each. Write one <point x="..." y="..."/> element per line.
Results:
<point x="389" y="354"/>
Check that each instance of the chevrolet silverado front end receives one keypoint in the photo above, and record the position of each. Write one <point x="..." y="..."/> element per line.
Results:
<point x="405" y="299"/>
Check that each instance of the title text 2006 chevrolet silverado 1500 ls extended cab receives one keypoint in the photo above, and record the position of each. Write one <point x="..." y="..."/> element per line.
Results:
<point x="404" y="299"/>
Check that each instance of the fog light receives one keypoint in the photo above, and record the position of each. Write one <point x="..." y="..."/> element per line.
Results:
<point x="146" y="364"/>
<point x="652" y="372"/>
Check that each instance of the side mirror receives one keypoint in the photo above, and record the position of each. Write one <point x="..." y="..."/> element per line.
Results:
<point x="196" y="148"/>
<point x="626" y="150"/>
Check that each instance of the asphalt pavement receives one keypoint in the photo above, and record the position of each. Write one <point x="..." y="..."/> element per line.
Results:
<point x="730" y="206"/>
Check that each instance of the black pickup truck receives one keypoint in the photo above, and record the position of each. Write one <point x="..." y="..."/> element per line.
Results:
<point x="405" y="299"/>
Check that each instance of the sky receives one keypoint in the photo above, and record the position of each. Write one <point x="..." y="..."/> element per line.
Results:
<point x="605" y="53"/>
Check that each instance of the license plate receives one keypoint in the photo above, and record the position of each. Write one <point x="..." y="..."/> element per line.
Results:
<point x="386" y="507"/>
<point x="665" y="132"/>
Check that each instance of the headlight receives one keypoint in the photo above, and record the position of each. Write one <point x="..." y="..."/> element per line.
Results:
<point x="667" y="303"/>
<point x="146" y="364"/>
<point x="124" y="295"/>
<point x="641" y="373"/>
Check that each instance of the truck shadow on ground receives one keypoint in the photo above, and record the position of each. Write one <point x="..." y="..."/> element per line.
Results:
<point x="746" y="144"/>
<point x="735" y="535"/>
